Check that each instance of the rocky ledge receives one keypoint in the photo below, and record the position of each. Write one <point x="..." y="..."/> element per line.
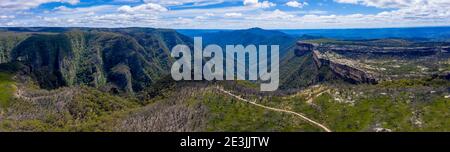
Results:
<point x="345" y="68"/>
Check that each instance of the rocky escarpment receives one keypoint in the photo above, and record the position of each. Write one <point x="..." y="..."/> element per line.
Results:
<point x="406" y="51"/>
<point x="303" y="48"/>
<point x="344" y="68"/>
<point x="347" y="69"/>
<point x="298" y="69"/>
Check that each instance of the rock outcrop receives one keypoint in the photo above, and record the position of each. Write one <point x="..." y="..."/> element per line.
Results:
<point x="303" y="48"/>
<point x="390" y="51"/>
<point x="345" y="68"/>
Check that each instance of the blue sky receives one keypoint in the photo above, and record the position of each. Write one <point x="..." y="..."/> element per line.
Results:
<point x="226" y="14"/>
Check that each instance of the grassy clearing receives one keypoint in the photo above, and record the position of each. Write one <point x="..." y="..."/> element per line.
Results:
<point x="6" y="89"/>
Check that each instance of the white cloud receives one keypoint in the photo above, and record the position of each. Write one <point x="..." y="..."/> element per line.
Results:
<point x="256" y="3"/>
<point x="6" y="17"/>
<point x="250" y="2"/>
<point x="408" y="10"/>
<point x="148" y="7"/>
<point x="201" y="17"/>
<point x="276" y="14"/>
<point x="395" y="3"/>
<point x="233" y="15"/>
<point x="12" y="5"/>
<point x="155" y="13"/>
<point x="296" y="4"/>
<point x="64" y="11"/>
<point x="181" y="2"/>
<point x="72" y="2"/>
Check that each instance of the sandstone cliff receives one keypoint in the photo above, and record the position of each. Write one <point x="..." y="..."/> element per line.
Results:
<point x="347" y="69"/>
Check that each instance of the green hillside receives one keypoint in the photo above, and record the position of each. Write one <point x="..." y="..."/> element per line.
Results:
<point x="127" y="60"/>
<point x="9" y="40"/>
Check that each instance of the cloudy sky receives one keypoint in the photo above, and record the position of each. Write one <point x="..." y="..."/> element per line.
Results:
<point x="226" y="14"/>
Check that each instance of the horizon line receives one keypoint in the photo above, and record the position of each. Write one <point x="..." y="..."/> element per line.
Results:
<point x="344" y="28"/>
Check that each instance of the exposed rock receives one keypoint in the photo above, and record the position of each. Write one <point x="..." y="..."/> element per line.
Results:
<point x="416" y="119"/>
<point x="391" y="51"/>
<point x="382" y="130"/>
<point x="347" y="69"/>
<point x="122" y="77"/>
<point x="303" y="48"/>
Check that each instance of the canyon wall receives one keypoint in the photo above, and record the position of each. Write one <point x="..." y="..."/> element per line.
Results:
<point x="342" y="67"/>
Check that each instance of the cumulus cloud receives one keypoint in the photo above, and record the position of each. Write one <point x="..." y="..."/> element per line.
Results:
<point x="408" y="10"/>
<point x="296" y="4"/>
<point x="250" y="2"/>
<point x="276" y="14"/>
<point x="256" y="3"/>
<point x="12" y="5"/>
<point x="244" y="14"/>
<point x="395" y="3"/>
<point x="181" y="2"/>
<point x="148" y="7"/>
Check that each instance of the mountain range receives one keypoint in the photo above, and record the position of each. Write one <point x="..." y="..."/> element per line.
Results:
<point x="123" y="59"/>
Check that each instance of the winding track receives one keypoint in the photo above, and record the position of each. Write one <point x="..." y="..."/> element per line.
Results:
<point x="278" y="110"/>
<point x="21" y="94"/>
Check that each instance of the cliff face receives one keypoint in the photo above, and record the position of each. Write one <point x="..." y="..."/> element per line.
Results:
<point x="46" y="57"/>
<point x="299" y="70"/>
<point x="124" y="60"/>
<point x="344" y="68"/>
<point x="303" y="48"/>
<point x="387" y="51"/>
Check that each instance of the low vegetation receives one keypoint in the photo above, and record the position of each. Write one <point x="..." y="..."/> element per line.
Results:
<point x="229" y="114"/>
<point x="6" y="89"/>
<point x="76" y="109"/>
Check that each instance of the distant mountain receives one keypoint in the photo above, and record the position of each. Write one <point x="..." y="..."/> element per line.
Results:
<point x="256" y="36"/>
<point x="296" y="70"/>
<point x="415" y="33"/>
<point x="127" y="59"/>
<point x="197" y="32"/>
